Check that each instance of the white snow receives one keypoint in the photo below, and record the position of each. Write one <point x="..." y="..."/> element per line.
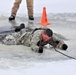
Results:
<point x="20" y="60"/>
<point x="51" y="68"/>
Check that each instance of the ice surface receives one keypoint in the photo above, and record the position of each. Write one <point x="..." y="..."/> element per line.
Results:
<point x="20" y="60"/>
<point x="15" y="55"/>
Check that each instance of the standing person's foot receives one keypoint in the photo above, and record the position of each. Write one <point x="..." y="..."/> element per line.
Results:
<point x="31" y="18"/>
<point x="11" y="18"/>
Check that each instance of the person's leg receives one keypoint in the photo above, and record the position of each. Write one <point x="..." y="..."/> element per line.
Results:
<point x="9" y="40"/>
<point x="30" y="9"/>
<point x="15" y="9"/>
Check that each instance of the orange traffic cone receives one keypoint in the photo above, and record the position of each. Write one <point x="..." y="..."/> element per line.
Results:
<point x="44" y="21"/>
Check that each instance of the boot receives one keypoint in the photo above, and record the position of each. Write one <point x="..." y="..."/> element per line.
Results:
<point x="17" y="29"/>
<point x="31" y="18"/>
<point x="11" y="18"/>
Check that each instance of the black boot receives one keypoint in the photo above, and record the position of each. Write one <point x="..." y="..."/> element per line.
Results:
<point x="11" y="18"/>
<point x="17" y="29"/>
<point x="31" y="18"/>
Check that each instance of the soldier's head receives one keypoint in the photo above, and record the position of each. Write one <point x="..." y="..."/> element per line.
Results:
<point x="47" y="34"/>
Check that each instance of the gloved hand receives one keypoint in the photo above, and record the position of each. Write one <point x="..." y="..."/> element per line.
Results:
<point x="64" y="47"/>
<point x="40" y="50"/>
<point x="17" y="29"/>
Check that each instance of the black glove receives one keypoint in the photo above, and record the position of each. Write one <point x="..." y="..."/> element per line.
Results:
<point x="17" y="29"/>
<point x="64" y="47"/>
<point x="40" y="50"/>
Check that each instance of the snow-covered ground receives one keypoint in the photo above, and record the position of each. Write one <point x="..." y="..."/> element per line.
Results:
<point x="20" y="60"/>
<point x="51" y="68"/>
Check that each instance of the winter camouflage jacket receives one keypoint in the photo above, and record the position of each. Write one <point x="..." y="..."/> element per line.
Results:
<point x="29" y="39"/>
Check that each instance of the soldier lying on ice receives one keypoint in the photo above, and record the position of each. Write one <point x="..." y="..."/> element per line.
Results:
<point x="36" y="39"/>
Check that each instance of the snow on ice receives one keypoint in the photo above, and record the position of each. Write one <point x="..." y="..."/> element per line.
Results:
<point x="20" y="60"/>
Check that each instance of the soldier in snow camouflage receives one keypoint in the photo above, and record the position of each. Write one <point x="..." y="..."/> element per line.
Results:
<point x="36" y="39"/>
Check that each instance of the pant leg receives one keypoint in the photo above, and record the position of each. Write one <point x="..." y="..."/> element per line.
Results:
<point x="9" y="40"/>
<point x="15" y="7"/>
<point x="30" y="7"/>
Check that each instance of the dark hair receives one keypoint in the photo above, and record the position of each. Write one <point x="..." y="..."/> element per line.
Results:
<point x="49" y="32"/>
